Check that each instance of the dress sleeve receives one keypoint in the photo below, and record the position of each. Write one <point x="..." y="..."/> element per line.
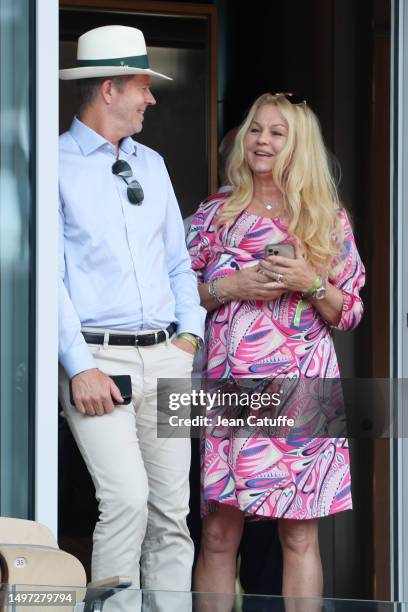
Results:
<point x="201" y="236"/>
<point x="348" y="275"/>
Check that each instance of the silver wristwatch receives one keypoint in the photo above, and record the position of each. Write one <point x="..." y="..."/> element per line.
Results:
<point x="320" y="293"/>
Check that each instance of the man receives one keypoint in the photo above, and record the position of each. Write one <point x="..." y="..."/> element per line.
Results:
<point x="125" y="288"/>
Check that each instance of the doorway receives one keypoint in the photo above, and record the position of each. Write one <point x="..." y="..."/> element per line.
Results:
<point x="336" y="54"/>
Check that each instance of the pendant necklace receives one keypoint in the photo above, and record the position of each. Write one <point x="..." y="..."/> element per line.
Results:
<point x="271" y="205"/>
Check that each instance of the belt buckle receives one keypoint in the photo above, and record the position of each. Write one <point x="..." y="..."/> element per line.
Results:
<point x="155" y="337"/>
<point x="136" y="340"/>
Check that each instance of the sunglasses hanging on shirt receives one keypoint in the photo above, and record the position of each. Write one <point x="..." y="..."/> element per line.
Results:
<point x="135" y="193"/>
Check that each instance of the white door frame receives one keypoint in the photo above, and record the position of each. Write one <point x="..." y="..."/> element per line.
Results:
<point x="399" y="295"/>
<point x="46" y="405"/>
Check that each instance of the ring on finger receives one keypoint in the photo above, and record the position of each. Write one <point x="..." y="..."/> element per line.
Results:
<point x="279" y="278"/>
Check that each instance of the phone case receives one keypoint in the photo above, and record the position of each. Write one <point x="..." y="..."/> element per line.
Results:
<point x="285" y="249"/>
<point x="122" y="381"/>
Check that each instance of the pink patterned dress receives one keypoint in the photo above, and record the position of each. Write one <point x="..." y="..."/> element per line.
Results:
<point x="263" y="476"/>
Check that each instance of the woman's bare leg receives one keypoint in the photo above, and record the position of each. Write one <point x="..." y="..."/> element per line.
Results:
<point x="302" y="566"/>
<point x="215" y="571"/>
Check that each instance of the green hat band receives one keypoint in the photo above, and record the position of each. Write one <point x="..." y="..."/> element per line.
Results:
<point x="137" y="61"/>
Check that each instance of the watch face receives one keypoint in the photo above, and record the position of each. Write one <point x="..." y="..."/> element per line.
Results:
<point x="320" y="293"/>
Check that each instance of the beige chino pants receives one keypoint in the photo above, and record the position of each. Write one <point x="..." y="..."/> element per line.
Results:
<point x="141" y="481"/>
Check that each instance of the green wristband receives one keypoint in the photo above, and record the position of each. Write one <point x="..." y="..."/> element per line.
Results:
<point x="318" y="283"/>
<point x="194" y="340"/>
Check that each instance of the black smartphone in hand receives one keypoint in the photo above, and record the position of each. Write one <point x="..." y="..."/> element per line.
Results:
<point x="122" y="381"/>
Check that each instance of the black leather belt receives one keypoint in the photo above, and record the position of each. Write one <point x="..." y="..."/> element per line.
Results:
<point x="131" y="339"/>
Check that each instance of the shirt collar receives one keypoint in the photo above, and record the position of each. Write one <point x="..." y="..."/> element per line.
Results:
<point x="89" y="141"/>
<point x="128" y="146"/>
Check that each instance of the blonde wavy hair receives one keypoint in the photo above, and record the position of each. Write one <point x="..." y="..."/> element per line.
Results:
<point x="301" y="173"/>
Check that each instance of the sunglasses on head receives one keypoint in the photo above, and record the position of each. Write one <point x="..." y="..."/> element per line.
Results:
<point x="135" y="193"/>
<point x="292" y="98"/>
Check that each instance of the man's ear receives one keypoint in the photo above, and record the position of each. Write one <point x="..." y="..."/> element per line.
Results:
<point x="107" y="90"/>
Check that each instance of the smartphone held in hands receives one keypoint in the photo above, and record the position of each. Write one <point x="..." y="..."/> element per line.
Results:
<point x="123" y="383"/>
<point x="285" y="249"/>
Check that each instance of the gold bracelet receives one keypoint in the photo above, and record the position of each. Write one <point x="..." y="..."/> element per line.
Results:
<point x="194" y="340"/>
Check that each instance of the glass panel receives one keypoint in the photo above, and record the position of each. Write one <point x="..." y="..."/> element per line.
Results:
<point x="16" y="203"/>
<point x="132" y="600"/>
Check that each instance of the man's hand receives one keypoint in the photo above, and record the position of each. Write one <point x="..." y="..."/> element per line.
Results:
<point x="92" y="391"/>
<point x="184" y="345"/>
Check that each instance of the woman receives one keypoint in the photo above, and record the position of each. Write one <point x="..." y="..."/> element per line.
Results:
<point x="272" y="316"/>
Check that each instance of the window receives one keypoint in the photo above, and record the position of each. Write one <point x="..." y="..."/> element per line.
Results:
<point x="17" y="324"/>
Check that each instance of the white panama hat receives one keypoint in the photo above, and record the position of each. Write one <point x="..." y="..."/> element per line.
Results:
<point x="113" y="50"/>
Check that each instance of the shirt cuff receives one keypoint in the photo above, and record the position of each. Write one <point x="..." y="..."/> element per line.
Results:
<point x="349" y="319"/>
<point x="76" y="360"/>
<point x="192" y="322"/>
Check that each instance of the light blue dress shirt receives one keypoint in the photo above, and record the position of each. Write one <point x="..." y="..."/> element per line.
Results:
<point x="121" y="266"/>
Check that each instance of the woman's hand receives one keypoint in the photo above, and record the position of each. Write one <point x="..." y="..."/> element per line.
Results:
<point x="249" y="284"/>
<point x="289" y="274"/>
<point x="246" y="284"/>
<point x="297" y="275"/>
